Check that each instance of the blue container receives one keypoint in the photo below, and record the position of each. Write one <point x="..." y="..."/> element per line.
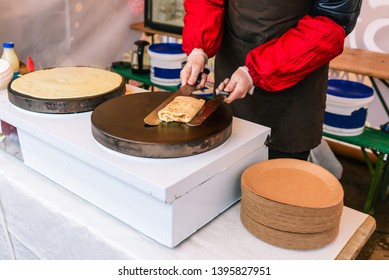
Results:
<point x="346" y="107"/>
<point x="165" y="63"/>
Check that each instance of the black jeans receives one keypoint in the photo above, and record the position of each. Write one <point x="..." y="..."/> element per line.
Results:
<point x="300" y="155"/>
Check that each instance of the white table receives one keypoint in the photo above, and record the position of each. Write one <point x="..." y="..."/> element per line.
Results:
<point x="46" y="221"/>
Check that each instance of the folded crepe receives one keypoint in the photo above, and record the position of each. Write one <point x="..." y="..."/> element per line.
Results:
<point x="181" y="109"/>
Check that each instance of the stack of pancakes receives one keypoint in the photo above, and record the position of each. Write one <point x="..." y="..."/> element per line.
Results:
<point x="291" y="203"/>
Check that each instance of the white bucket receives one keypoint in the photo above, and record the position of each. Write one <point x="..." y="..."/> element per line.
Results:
<point x="166" y="63"/>
<point x="6" y="73"/>
<point x="346" y="107"/>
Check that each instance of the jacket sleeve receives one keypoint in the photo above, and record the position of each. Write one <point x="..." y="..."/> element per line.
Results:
<point x="315" y="41"/>
<point x="203" y="25"/>
<point x="345" y="13"/>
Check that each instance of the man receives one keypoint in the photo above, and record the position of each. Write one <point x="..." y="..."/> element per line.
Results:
<point x="278" y="52"/>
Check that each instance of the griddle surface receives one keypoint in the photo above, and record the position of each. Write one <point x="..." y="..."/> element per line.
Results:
<point x="118" y="124"/>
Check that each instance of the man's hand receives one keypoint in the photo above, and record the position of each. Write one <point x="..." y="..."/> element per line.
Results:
<point x="238" y="85"/>
<point x="194" y="66"/>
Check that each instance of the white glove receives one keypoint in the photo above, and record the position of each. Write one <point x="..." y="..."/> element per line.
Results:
<point x="238" y="85"/>
<point x="194" y="66"/>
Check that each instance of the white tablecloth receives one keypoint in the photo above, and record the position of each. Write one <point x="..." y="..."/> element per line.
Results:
<point x="46" y="221"/>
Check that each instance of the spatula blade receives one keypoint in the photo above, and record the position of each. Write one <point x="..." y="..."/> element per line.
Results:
<point x="208" y="108"/>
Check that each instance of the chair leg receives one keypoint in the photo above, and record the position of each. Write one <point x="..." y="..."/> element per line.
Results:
<point x="384" y="182"/>
<point x="379" y="94"/>
<point x="371" y="196"/>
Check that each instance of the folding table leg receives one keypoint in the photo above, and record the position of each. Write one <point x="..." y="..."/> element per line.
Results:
<point x="378" y="92"/>
<point x="384" y="182"/>
<point x="371" y="196"/>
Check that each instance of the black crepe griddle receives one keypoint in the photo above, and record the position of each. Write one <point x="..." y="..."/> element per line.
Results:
<point x="62" y="105"/>
<point x="118" y="125"/>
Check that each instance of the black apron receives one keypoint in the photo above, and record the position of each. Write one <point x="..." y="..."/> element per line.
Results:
<point x="295" y="115"/>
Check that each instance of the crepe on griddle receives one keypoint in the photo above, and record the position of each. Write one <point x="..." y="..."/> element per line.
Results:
<point x="181" y="109"/>
<point x="67" y="82"/>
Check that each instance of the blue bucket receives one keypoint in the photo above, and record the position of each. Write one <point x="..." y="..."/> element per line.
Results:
<point x="346" y="107"/>
<point x="166" y="62"/>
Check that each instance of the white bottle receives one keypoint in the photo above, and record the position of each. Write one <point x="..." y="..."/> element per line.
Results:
<point x="10" y="55"/>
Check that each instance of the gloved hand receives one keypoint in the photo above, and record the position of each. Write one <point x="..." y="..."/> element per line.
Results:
<point x="194" y="66"/>
<point x="238" y="85"/>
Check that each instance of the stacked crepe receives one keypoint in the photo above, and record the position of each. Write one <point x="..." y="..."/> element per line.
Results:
<point x="181" y="109"/>
<point x="291" y="203"/>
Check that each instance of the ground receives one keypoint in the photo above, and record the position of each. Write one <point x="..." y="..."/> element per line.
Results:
<point x="355" y="181"/>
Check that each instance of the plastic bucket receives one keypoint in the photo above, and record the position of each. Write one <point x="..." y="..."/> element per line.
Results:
<point x="6" y="73"/>
<point x="346" y="107"/>
<point x="165" y="63"/>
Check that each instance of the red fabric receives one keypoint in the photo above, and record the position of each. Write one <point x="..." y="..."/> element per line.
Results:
<point x="203" y="25"/>
<point x="284" y="61"/>
<point x="277" y="64"/>
<point x="30" y="64"/>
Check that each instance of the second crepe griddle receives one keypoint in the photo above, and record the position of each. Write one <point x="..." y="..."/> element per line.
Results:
<point x="62" y="105"/>
<point x="118" y="125"/>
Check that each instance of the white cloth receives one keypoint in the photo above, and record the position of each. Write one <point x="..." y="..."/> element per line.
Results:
<point x="322" y="155"/>
<point x="48" y="222"/>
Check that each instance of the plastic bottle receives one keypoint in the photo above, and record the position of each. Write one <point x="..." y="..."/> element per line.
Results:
<point x="10" y="55"/>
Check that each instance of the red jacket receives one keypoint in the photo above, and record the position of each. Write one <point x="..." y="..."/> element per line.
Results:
<point x="312" y="43"/>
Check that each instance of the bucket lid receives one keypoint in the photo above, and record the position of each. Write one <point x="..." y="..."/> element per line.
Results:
<point x="348" y="89"/>
<point x="166" y="48"/>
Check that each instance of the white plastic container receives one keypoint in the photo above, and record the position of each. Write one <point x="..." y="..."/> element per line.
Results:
<point x="6" y="73"/>
<point x="10" y="55"/>
<point x="346" y="107"/>
<point x="166" y="62"/>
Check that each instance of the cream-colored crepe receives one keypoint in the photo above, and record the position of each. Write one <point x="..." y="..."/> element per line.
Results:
<point x="67" y="82"/>
<point x="181" y="109"/>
